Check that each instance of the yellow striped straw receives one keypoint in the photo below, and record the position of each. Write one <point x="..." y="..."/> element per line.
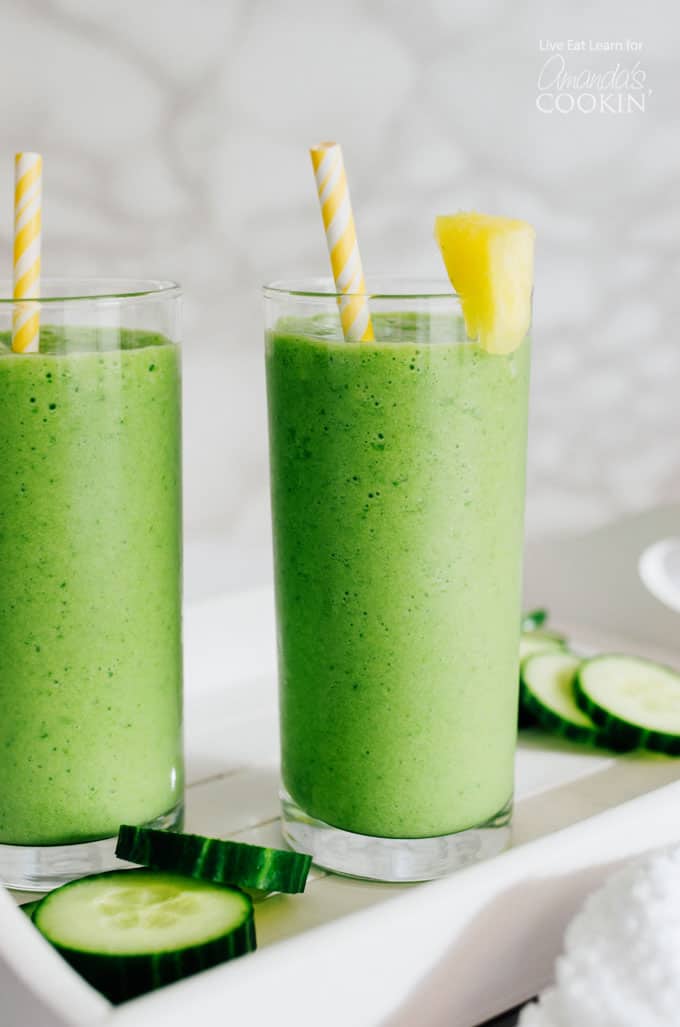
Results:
<point x="341" y="236"/>
<point x="27" y="219"/>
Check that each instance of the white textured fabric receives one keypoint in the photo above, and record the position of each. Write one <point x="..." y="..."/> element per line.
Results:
<point x="621" y="960"/>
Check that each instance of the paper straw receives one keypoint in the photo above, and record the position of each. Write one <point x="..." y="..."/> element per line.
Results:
<point x="27" y="222"/>
<point x="341" y="236"/>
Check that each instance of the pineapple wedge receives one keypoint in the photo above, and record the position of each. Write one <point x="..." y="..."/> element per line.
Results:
<point x="490" y="263"/>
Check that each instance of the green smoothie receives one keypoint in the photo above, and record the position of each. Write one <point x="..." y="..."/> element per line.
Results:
<point x="90" y="559"/>
<point x="398" y="494"/>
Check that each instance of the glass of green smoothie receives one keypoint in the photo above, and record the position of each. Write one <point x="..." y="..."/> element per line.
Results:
<point x="397" y="478"/>
<point x="90" y="576"/>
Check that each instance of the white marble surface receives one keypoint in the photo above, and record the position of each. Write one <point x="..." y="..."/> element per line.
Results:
<point x="175" y="140"/>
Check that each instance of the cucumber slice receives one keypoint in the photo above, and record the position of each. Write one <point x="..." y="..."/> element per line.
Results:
<point x="212" y="859"/>
<point x="29" y="908"/>
<point x="635" y="700"/>
<point x="532" y="642"/>
<point x="130" y="931"/>
<point x="547" y="686"/>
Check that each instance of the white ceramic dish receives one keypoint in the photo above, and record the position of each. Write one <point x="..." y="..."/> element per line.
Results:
<point x="350" y="952"/>
<point x="660" y="571"/>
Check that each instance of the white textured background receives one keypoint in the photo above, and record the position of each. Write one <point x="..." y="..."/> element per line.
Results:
<point x="175" y="139"/>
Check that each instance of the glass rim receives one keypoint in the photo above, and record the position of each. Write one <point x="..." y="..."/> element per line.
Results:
<point x="402" y="287"/>
<point x="93" y="289"/>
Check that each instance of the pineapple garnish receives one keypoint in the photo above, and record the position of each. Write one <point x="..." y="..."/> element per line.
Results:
<point x="490" y="263"/>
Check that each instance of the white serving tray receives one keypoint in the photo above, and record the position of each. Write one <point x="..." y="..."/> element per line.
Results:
<point x="498" y="921"/>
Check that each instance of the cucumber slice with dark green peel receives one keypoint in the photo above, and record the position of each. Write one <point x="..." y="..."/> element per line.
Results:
<point x="215" y="860"/>
<point x="547" y="687"/>
<point x="29" y="908"/>
<point x="533" y="619"/>
<point x="634" y="700"/>
<point x="130" y="931"/>
<point x="524" y="718"/>
<point x="532" y="642"/>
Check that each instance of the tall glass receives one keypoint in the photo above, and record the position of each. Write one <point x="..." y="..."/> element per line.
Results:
<point x="90" y="576"/>
<point x="397" y="476"/>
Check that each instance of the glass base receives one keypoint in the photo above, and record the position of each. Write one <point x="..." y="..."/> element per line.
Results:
<point x="392" y="859"/>
<point x="44" y="867"/>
